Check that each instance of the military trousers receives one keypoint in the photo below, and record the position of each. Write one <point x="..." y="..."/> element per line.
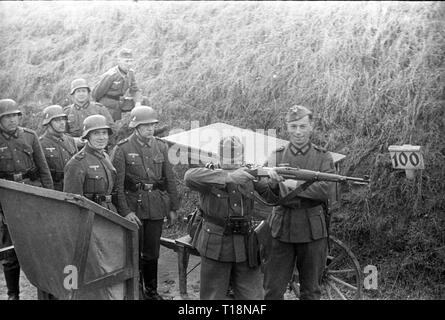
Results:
<point x="247" y="283"/>
<point x="150" y="239"/>
<point x="310" y="259"/>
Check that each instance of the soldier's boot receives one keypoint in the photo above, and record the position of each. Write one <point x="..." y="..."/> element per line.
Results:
<point x="150" y="275"/>
<point x="12" y="278"/>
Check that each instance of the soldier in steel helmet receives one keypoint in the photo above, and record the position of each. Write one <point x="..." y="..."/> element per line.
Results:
<point x="57" y="146"/>
<point x="298" y="226"/>
<point x="146" y="190"/>
<point x="117" y="88"/>
<point x="81" y="108"/>
<point x="90" y="172"/>
<point x="21" y="160"/>
<point x="226" y="203"/>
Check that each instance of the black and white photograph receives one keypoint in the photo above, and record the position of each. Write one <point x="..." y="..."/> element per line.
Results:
<point x="222" y="155"/>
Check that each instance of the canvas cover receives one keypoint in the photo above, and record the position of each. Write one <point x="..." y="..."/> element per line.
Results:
<point x="54" y="232"/>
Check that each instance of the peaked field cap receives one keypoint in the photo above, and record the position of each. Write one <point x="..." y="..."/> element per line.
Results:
<point x="125" y="53"/>
<point x="297" y="112"/>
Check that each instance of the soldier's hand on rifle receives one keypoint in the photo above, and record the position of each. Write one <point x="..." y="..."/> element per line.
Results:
<point x="274" y="178"/>
<point x="240" y="176"/>
<point x="172" y="218"/>
<point x="133" y="218"/>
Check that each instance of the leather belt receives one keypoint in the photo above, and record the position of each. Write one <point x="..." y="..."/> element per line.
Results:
<point x="99" y="198"/>
<point x="14" y="176"/>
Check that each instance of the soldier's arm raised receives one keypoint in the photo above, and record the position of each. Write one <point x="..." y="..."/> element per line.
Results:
<point x="203" y="179"/>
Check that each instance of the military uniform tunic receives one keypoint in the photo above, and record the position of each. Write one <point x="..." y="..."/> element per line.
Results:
<point x="139" y="162"/>
<point x="90" y="173"/>
<point x="21" y="153"/>
<point x="113" y="85"/>
<point x="298" y="226"/>
<point x="76" y="115"/>
<point x="58" y="151"/>
<point x="224" y="255"/>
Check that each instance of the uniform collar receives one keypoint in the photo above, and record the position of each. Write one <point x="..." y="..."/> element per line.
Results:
<point x="55" y="137"/>
<point x="296" y="150"/>
<point x="121" y="71"/>
<point x="142" y="142"/>
<point x="10" y="135"/>
<point x="93" y="151"/>
<point x="84" y="106"/>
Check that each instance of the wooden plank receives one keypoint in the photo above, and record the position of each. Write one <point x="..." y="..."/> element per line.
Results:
<point x="81" y="251"/>
<point x="68" y="197"/>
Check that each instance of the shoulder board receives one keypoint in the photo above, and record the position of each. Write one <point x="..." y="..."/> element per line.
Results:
<point x="319" y="148"/>
<point x="122" y="141"/>
<point x="29" y="131"/>
<point x="79" y="155"/>
<point x="97" y="104"/>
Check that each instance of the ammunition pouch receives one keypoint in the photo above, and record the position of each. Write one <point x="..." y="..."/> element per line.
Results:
<point x="238" y="225"/>
<point x="32" y="175"/>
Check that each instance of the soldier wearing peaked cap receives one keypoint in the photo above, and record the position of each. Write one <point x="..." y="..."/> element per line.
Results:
<point x="57" y="146"/>
<point x="146" y="189"/>
<point x="90" y="172"/>
<point x="298" y="226"/>
<point x="81" y="108"/>
<point x="21" y="160"/>
<point x="117" y="88"/>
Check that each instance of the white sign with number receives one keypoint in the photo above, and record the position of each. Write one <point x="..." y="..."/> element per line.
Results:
<point x="406" y="157"/>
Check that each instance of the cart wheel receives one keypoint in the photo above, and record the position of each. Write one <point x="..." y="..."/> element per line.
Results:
<point x="342" y="277"/>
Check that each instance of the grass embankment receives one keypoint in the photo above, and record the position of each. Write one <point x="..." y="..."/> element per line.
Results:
<point x="372" y="73"/>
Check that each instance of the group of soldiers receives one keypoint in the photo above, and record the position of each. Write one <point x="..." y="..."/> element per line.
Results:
<point x="73" y="156"/>
<point x="134" y="178"/>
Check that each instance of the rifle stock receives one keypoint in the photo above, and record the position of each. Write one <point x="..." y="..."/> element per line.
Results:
<point x="305" y="175"/>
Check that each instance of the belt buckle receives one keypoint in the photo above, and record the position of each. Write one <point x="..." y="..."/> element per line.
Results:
<point x="108" y="198"/>
<point x="17" y="177"/>
<point x="148" y="186"/>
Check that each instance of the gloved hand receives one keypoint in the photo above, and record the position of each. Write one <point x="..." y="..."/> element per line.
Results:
<point x="240" y="176"/>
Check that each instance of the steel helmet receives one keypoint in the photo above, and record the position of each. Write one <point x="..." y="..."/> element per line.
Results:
<point x="79" y="83"/>
<point x="95" y="122"/>
<point x="51" y="112"/>
<point x="9" y="106"/>
<point x="142" y="115"/>
<point x="230" y="148"/>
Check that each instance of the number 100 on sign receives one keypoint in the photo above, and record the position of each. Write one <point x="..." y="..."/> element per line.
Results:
<point x="406" y="157"/>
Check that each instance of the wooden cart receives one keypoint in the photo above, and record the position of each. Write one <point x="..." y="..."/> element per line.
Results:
<point x="69" y="246"/>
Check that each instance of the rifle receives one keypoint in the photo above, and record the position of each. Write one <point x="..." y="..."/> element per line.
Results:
<point x="305" y="175"/>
